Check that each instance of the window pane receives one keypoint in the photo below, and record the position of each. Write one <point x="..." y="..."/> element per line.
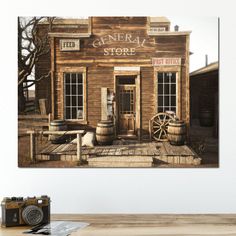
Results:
<point x="126" y="79"/>
<point x="68" y="113"/>
<point x="74" y="115"/>
<point x="173" y="89"/>
<point x="166" y="78"/>
<point x="173" y="78"/>
<point x="166" y="101"/>
<point x="80" y="113"/>
<point x="80" y="89"/>
<point x="73" y="89"/>
<point x="80" y="78"/>
<point x="160" y="100"/>
<point x="160" y="77"/>
<point x="126" y="102"/>
<point x="73" y="100"/>
<point x="67" y="100"/>
<point x="173" y="100"/>
<point x="80" y="100"/>
<point x="160" y="109"/>
<point x="73" y="78"/>
<point x="166" y="89"/>
<point x="160" y="89"/>
<point x="67" y="89"/>
<point x="67" y="78"/>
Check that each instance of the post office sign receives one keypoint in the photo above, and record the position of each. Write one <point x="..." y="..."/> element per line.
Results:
<point x="164" y="61"/>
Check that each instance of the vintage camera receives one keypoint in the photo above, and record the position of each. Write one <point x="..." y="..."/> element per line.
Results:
<point x="25" y="211"/>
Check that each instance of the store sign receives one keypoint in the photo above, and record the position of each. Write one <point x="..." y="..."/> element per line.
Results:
<point x="130" y="42"/>
<point x="70" y="44"/>
<point x="164" y="61"/>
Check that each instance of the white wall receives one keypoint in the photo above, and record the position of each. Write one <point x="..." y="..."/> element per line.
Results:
<point x="121" y="190"/>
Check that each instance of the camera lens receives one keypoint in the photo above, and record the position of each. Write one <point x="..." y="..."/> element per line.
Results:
<point x="32" y="215"/>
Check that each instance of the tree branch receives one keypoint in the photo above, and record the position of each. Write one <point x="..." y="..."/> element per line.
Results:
<point x="37" y="80"/>
<point x="31" y="46"/>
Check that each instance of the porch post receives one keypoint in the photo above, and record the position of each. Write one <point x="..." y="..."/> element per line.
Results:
<point x="32" y="147"/>
<point x="104" y="112"/>
<point x="138" y="106"/>
<point x="79" y="148"/>
<point x="52" y="45"/>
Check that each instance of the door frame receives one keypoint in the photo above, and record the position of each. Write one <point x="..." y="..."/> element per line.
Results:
<point x="132" y="72"/>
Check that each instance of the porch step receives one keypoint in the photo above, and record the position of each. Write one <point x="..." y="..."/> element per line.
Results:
<point x="178" y="160"/>
<point x="121" y="161"/>
<point x="177" y="155"/>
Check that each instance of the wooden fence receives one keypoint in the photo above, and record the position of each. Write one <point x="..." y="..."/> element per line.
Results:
<point x="33" y="134"/>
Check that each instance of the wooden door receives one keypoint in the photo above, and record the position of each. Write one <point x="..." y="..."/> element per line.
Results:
<point x="126" y="110"/>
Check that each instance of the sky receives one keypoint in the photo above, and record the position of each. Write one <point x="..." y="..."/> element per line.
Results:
<point x="203" y="39"/>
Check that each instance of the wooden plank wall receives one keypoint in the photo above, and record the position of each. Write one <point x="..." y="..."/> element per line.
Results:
<point x="147" y="99"/>
<point x="184" y="93"/>
<point x="58" y="97"/>
<point x="203" y="86"/>
<point x="43" y="88"/>
<point x="42" y="67"/>
<point x="97" y="77"/>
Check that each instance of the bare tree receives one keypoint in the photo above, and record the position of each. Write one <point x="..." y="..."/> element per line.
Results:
<point x="31" y="46"/>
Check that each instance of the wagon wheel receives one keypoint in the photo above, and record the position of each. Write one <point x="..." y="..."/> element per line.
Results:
<point x="159" y="125"/>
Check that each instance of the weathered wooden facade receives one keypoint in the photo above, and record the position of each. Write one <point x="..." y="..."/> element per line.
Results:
<point x="204" y="90"/>
<point x="126" y="67"/>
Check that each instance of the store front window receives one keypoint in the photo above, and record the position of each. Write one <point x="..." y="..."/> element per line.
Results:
<point x="166" y="91"/>
<point x="74" y="97"/>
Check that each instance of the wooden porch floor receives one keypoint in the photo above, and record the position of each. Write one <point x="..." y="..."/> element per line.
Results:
<point x="149" y="149"/>
<point x="132" y="154"/>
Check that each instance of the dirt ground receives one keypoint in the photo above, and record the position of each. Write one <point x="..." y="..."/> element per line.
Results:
<point x="209" y="160"/>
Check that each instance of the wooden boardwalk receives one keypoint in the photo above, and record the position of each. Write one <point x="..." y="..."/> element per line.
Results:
<point x="127" y="155"/>
<point x="177" y="155"/>
<point x="142" y="149"/>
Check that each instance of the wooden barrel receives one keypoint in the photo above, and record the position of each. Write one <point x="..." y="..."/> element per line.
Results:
<point x="176" y="132"/>
<point x="206" y="118"/>
<point x="57" y="125"/>
<point x="105" y="132"/>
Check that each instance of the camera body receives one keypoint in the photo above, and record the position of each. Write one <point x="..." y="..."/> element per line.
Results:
<point x="18" y="211"/>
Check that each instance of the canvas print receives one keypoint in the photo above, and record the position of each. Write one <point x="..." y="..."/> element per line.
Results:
<point x="118" y="92"/>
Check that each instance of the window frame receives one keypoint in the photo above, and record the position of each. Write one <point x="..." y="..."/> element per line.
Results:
<point x="166" y="69"/>
<point x="79" y="70"/>
<point x="166" y="96"/>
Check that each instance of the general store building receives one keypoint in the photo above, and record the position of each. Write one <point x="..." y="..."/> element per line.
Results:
<point x="127" y="68"/>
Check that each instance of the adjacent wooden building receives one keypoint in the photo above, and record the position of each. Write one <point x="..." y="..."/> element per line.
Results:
<point x="128" y="68"/>
<point x="204" y="89"/>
